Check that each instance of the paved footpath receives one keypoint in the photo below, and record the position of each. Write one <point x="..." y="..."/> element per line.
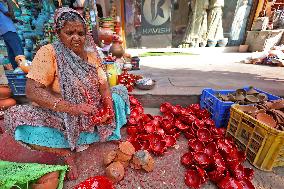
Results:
<point x="190" y="74"/>
<point x="182" y="78"/>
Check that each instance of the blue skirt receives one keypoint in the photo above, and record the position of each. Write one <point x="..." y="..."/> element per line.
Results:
<point x="51" y="137"/>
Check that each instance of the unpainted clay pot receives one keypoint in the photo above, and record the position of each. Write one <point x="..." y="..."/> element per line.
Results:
<point x="115" y="171"/>
<point x="262" y="97"/>
<point x="127" y="148"/>
<point x="122" y="156"/>
<point x="109" y="158"/>
<point x="252" y="99"/>
<point x="240" y="97"/>
<point x="7" y="103"/>
<point x="5" y="92"/>
<point x="252" y="91"/>
<point x="266" y="119"/>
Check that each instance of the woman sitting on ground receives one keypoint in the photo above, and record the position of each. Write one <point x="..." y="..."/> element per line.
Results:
<point x="67" y="86"/>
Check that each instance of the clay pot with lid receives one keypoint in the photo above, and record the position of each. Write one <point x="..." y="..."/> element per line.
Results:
<point x="5" y="92"/>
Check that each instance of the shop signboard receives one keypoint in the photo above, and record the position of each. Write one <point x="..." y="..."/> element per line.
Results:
<point x="156" y="17"/>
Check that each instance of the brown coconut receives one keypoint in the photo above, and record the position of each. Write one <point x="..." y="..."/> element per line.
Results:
<point x="115" y="171"/>
<point x="109" y="158"/>
<point x="127" y="148"/>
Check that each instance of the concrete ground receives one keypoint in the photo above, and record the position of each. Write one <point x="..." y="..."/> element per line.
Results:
<point x="184" y="77"/>
<point x="181" y="79"/>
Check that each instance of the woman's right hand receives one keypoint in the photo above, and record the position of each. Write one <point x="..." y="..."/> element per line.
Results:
<point x="82" y="109"/>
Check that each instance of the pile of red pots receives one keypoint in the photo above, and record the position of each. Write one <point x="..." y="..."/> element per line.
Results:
<point x="128" y="80"/>
<point x="152" y="133"/>
<point x="217" y="159"/>
<point x="211" y="156"/>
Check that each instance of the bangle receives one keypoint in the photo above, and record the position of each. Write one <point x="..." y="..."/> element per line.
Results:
<point x="56" y="103"/>
<point x="108" y="98"/>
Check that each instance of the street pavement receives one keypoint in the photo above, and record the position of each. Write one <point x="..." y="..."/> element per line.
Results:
<point x="186" y="76"/>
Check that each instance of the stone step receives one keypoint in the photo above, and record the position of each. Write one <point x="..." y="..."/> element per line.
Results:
<point x="154" y="101"/>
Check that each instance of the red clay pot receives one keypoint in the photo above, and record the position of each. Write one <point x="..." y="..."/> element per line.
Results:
<point x="147" y="117"/>
<point x="249" y="173"/>
<point x="210" y="149"/>
<point x="150" y="127"/>
<point x="202" y="159"/>
<point x="210" y="123"/>
<point x="165" y="107"/>
<point x="160" y="131"/>
<point x="188" y="135"/>
<point x="192" y="179"/>
<point x="196" y="145"/>
<point x="145" y="145"/>
<point x="187" y="159"/>
<point x="172" y="131"/>
<point x="219" y="161"/>
<point x="170" y="140"/>
<point x="202" y="173"/>
<point x="194" y="107"/>
<point x="134" y="113"/>
<point x="168" y="116"/>
<point x="140" y="109"/>
<point x="132" y="130"/>
<point x="216" y="175"/>
<point x="97" y="182"/>
<point x="229" y="182"/>
<point x="167" y="125"/>
<point x="204" y="135"/>
<point x="176" y="110"/>
<point x="132" y="121"/>
<point x="199" y="124"/>
<point x="181" y="126"/>
<point x="246" y="184"/>
<point x="158" y="147"/>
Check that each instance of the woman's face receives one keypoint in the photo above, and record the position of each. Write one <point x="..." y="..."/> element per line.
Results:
<point x="73" y="36"/>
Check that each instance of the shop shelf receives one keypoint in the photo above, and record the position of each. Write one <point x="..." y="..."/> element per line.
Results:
<point x="220" y="110"/>
<point x="17" y="83"/>
<point x="263" y="145"/>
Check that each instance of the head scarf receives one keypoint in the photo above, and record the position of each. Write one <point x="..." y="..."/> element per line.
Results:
<point x="77" y="77"/>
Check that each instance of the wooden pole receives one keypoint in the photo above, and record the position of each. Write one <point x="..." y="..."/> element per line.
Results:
<point x="122" y="21"/>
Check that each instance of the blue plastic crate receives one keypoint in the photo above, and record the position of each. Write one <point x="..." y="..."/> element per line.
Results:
<point x="17" y="83"/>
<point x="220" y="110"/>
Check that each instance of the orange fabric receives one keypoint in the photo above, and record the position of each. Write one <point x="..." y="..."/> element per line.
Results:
<point x="44" y="68"/>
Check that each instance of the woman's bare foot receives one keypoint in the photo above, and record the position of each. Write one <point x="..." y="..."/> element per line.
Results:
<point x="72" y="174"/>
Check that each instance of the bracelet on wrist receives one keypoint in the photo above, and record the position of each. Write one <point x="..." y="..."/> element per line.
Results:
<point x="108" y="98"/>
